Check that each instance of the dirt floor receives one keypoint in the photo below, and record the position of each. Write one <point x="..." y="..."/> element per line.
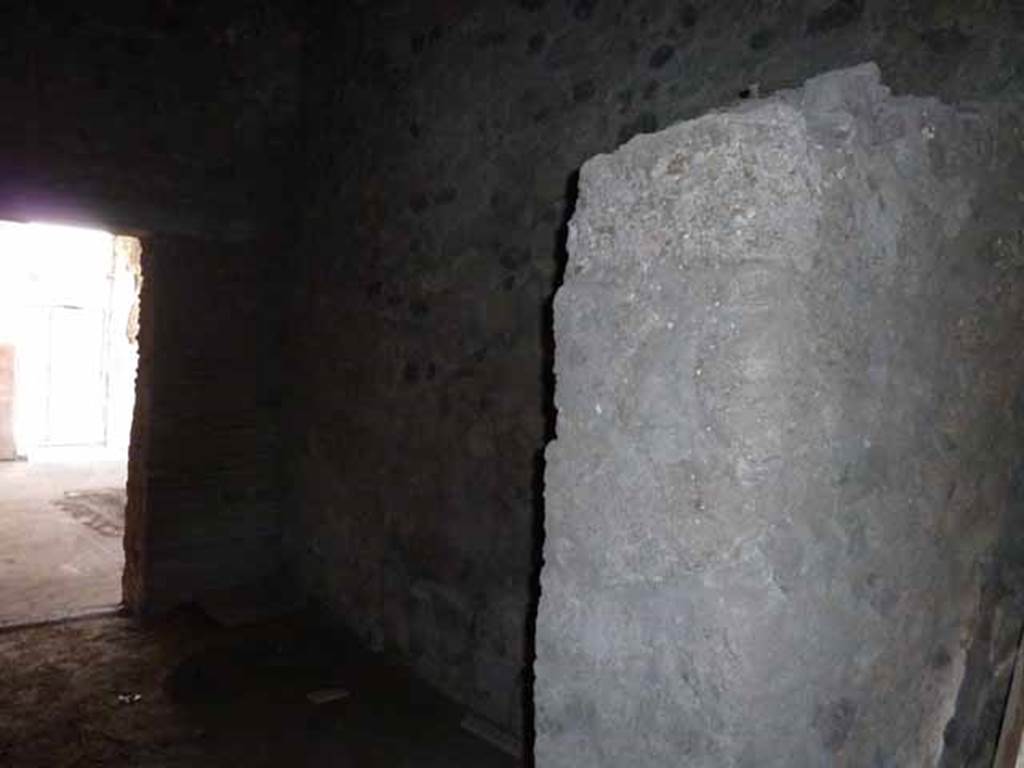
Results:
<point x="61" y="530"/>
<point x="186" y="692"/>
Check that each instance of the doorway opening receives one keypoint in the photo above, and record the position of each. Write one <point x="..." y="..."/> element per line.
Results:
<point x="69" y="308"/>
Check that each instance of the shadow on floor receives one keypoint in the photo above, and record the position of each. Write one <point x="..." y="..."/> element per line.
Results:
<point x="186" y="692"/>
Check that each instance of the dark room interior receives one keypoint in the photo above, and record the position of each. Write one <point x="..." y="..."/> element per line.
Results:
<point x="612" y="383"/>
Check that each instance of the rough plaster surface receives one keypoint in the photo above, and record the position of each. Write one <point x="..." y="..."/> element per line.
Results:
<point x="781" y="504"/>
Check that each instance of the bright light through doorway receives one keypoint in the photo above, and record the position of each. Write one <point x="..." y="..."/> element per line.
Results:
<point x="67" y="307"/>
<point x="68" y="355"/>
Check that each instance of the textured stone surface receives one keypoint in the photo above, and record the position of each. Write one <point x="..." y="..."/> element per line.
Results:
<point x="783" y="506"/>
<point x="443" y="141"/>
<point x="204" y="480"/>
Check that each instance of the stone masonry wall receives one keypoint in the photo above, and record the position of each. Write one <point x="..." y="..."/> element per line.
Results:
<point x="205" y="474"/>
<point x="783" y="508"/>
<point x="442" y="139"/>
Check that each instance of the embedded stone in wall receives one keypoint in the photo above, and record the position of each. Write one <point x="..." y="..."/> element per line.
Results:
<point x="782" y="502"/>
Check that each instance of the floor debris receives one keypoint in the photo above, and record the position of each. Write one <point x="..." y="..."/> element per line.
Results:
<point x="186" y="693"/>
<point x="327" y="695"/>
